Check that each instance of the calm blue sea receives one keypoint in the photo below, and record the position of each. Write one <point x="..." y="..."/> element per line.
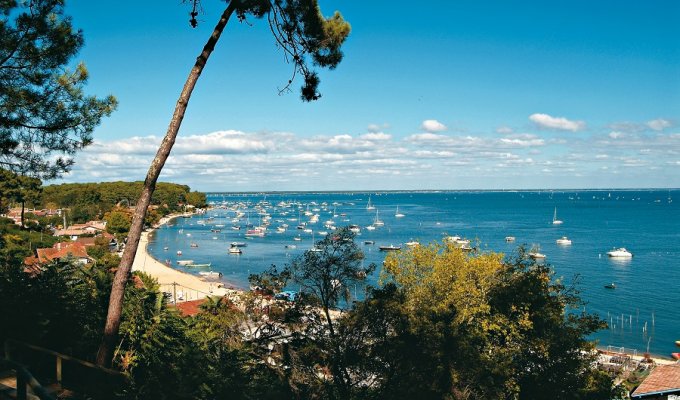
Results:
<point x="643" y="311"/>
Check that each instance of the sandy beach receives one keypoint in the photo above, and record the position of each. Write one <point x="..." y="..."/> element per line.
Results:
<point x="180" y="285"/>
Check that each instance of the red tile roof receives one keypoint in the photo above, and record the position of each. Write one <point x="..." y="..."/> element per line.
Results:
<point x="62" y="250"/>
<point x="189" y="308"/>
<point x="662" y="379"/>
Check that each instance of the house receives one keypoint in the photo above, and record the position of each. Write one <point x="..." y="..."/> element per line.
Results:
<point x="88" y="241"/>
<point x="76" y="230"/>
<point x="663" y="383"/>
<point x="62" y="252"/>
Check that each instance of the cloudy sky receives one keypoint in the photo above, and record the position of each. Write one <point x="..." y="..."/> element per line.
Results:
<point x="446" y="95"/>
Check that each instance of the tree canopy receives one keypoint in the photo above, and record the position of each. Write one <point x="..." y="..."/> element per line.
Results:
<point x="45" y="116"/>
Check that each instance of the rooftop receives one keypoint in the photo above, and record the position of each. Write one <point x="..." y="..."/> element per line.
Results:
<point x="662" y="379"/>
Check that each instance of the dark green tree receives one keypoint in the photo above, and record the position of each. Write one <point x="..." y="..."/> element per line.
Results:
<point x="307" y="39"/>
<point x="45" y="117"/>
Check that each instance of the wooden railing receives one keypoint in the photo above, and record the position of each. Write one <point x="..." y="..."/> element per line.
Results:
<point x="25" y="380"/>
<point x="65" y="371"/>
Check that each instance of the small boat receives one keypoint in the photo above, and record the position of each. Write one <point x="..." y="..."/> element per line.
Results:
<point x="194" y="245"/>
<point x="398" y="214"/>
<point x="370" y="228"/>
<point x="537" y="256"/>
<point x="354" y="228"/>
<point x="555" y="220"/>
<point x="210" y="274"/>
<point x="676" y="356"/>
<point x="620" y="253"/>
<point x="236" y="227"/>
<point x="370" y="206"/>
<point x="297" y="238"/>
<point x="216" y="230"/>
<point x="291" y="246"/>
<point x="235" y="250"/>
<point x="509" y="238"/>
<point x="316" y="249"/>
<point x="165" y="248"/>
<point x="377" y="221"/>
<point x="198" y="265"/>
<point x="369" y="242"/>
<point x="238" y="244"/>
<point x="390" y="248"/>
<point x="610" y="286"/>
<point x="564" y="241"/>
<point x="412" y="243"/>
<point x="185" y="262"/>
<point x="179" y="252"/>
<point x="677" y="343"/>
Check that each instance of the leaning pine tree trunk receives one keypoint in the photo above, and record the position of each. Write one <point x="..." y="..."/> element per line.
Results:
<point x="122" y="274"/>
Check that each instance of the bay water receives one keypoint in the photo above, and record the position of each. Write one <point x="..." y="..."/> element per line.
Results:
<point x="643" y="311"/>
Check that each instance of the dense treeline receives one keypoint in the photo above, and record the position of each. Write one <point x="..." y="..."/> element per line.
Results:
<point x="93" y="200"/>
<point x="442" y="324"/>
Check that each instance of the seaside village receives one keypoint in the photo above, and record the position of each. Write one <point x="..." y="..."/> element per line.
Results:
<point x="658" y="378"/>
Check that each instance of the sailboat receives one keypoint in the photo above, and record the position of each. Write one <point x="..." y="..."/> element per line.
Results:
<point x="377" y="221"/>
<point x="555" y="220"/>
<point x="398" y="214"/>
<point x="370" y="206"/>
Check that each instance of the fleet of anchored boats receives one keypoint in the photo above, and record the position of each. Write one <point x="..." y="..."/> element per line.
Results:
<point x="311" y="212"/>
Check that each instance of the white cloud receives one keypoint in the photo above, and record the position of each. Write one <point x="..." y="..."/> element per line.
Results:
<point x="376" y="136"/>
<point x="504" y="130"/>
<point x="559" y="123"/>
<point x="659" y="124"/>
<point x="432" y="125"/>
<point x="615" y="135"/>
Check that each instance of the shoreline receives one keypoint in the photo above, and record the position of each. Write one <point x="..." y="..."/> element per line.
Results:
<point x="180" y="285"/>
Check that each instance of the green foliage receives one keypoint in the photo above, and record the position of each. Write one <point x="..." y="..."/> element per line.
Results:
<point x="118" y="222"/>
<point x="88" y="201"/>
<point x="61" y="308"/>
<point x="45" y="117"/>
<point x="18" y="243"/>
<point x="196" y="199"/>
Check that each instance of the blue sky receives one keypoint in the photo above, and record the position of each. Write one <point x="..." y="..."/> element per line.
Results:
<point x="446" y="95"/>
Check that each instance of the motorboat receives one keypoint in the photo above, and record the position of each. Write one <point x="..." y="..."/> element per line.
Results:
<point x="210" y="274"/>
<point x="291" y="246"/>
<point x="354" y="228"/>
<point x="235" y="250"/>
<point x="620" y="253"/>
<point x="369" y="242"/>
<point x="238" y="244"/>
<point x="537" y="256"/>
<point x="412" y="243"/>
<point x="370" y="228"/>
<point x="390" y="248"/>
<point x="185" y="262"/>
<point x="192" y="265"/>
<point x="564" y="241"/>
<point x="179" y="252"/>
<point x="194" y="245"/>
<point x="610" y="286"/>
<point x="509" y="239"/>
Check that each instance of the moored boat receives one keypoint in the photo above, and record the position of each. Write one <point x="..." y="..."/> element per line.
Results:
<point x="621" y="252"/>
<point x="185" y="262"/>
<point x="610" y="286"/>
<point x="509" y="238"/>
<point x="537" y="256"/>
<point x="564" y="241"/>
<point x="390" y="248"/>
<point x="235" y="250"/>
<point x="210" y="274"/>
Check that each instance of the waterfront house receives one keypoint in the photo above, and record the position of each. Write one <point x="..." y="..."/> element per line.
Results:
<point x="663" y="383"/>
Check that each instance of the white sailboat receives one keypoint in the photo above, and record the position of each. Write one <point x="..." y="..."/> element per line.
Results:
<point x="370" y="206"/>
<point x="377" y="221"/>
<point x="555" y="220"/>
<point x="398" y="214"/>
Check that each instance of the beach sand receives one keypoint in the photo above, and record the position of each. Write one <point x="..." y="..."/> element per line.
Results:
<point x="180" y="285"/>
